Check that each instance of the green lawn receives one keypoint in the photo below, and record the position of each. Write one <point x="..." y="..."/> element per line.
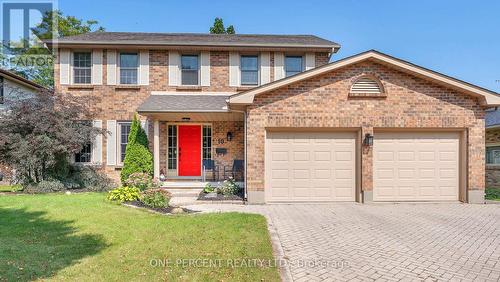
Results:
<point x="84" y="237"/>
<point x="493" y="194"/>
<point x="9" y="188"/>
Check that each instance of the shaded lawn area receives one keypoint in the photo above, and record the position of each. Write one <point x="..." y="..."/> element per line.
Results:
<point x="83" y="237"/>
<point x="10" y="188"/>
<point x="493" y="194"/>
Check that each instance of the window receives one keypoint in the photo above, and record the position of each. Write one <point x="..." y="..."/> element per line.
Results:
<point x="85" y="155"/>
<point x="493" y="155"/>
<point x="82" y="67"/>
<point x="172" y="147"/>
<point x="207" y="142"/>
<point x="128" y="68"/>
<point x="249" y="70"/>
<point x="1" y="90"/>
<point x="293" y="65"/>
<point x="366" y="85"/>
<point x="189" y="69"/>
<point x="124" y="131"/>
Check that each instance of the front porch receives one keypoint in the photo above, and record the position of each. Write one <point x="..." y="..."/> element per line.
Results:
<point x="195" y="139"/>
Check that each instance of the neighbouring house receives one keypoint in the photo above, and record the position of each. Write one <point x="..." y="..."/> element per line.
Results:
<point x="13" y="87"/>
<point x="370" y="127"/>
<point x="493" y="148"/>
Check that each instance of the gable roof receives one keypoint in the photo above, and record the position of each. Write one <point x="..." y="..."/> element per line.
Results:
<point x="197" y="39"/>
<point x="21" y="80"/>
<point x="488" y="97"/>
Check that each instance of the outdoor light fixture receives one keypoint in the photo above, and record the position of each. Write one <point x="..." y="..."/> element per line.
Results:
<point x="186" y="119"/>
<point x="229" y="136"/>
<point x="368" y="140"/>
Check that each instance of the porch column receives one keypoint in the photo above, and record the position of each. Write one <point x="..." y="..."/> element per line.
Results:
<point x="156" y="149"/>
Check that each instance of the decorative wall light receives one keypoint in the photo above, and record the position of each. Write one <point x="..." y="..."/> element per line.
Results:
<point x="186" y="119"/>
<point x="368" y="140"/>
<point x="229" y="136"/>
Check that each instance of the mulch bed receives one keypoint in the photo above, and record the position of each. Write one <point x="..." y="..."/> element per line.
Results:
<point x="219" y="197"/>
<point x="167" y="210"/>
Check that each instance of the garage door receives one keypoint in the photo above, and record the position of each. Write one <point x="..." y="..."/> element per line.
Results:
<point x="416" y="166"/>
<point x="310" y="166"/>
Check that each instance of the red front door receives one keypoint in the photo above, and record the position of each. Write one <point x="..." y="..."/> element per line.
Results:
<point x="189" y="150"/>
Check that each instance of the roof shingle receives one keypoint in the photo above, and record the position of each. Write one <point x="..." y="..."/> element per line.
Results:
<point x="165" y="103"/>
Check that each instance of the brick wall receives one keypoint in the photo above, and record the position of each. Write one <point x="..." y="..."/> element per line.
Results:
<point x="323" y="101"/>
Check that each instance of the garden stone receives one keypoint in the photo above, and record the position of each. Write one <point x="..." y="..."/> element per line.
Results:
<point x="211" y="195"/>
<point x="177" y="210"/>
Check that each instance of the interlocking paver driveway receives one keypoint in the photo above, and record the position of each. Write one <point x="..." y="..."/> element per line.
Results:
<point x="385" y="242"/>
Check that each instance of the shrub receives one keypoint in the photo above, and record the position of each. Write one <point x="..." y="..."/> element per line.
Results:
<point x="89" y="178"/>
<point x="156" y="198"/>
<point x="45" y="186"/>
<point x="208" y="188"/>
<point x="138" y="158"/>
<point x="124" y="194"/>
<point x="228" y="187"/>
<point x="142" y="181"/>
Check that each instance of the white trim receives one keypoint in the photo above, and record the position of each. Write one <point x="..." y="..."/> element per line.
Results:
<point x="279" y="65"/>
<point x="111" y="72"/>
<point x="234" y="69"/>
<point x="265" y="67"/>
<point x="174" y="65"/>
<point x="97" y="144"/>
<point x="205" y="68"/>
<point x="156" y="148"/>
<point x="64" y="66"/>
<point x="143" y="70"/>
<point x="192" y="93"/>
<point x="111" y="142"/>
<point x="96" y="78"/>
<point x="310" y="63"/>
<point x="490" y="98"/>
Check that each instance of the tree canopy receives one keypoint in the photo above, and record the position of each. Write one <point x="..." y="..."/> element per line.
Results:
<point x="218" y="27"/>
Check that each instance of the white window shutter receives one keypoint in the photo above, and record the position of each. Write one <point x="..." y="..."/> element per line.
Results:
<point x="279" y="65"/>
<point x="234" y="69"/>
<point x="205" y="68"/>
<point x="265" y="68"/>
<point x="111" y="142"/>
<point x="97" y="67"/>
<point x="310" y="61"/>
<point x="174" y="65"/>
<point x="64" y="66"/>
<point x="111" y="67"/>
<point x="97" y="144"/>
<point x="144" y="67"/>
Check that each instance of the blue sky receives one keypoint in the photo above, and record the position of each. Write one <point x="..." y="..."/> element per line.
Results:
<point x="458" y="38"/>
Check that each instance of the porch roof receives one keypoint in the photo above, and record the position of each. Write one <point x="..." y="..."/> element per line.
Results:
<point x="185" y="103"/>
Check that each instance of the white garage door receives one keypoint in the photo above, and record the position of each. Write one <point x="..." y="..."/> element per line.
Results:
<point x="310" y="166"/>
<point x="416" y="166"/>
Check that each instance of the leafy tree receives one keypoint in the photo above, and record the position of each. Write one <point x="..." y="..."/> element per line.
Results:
<point x="218" y="27"/>
<point x="138" y="158"/>
<point x="39" y="134"/>
<point x="65" y="26"/>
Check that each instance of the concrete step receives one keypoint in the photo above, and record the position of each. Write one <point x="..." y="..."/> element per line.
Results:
<point x="184" y="192"/>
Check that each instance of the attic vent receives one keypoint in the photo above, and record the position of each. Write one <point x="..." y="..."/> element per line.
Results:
<point x="366" y="85"/>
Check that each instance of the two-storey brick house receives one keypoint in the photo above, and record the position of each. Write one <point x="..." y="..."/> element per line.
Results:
<point x="368" y="127"/>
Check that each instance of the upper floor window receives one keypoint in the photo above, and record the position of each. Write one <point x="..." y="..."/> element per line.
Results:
<point x="293" y="65"/>
<point x="249" y="70"/>
<point x="82" y="67"/>
<point x="190" y="70"/>
<point x="128" y="68"/>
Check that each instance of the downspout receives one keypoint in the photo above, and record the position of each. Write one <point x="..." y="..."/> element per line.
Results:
<point x="244" y="149"/>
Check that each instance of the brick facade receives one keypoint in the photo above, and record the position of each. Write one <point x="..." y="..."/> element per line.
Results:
<point x="119" y="102"/>
<point x="324" y="102"/>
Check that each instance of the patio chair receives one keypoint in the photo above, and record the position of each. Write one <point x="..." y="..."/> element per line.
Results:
<point x="209" y="165"/>
<point x="238" y="168"/>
